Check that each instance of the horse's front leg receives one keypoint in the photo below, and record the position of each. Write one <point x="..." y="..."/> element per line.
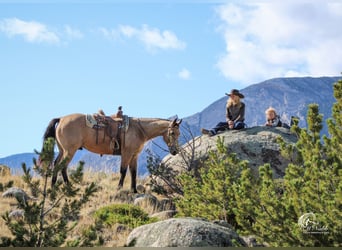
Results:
<point x="123" y="170"/>
<point x="133" y="170"/>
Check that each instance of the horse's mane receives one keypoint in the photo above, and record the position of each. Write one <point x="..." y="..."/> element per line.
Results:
<point x="149" y="119"/>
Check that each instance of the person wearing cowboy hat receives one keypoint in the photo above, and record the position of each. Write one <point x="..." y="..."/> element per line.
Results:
<point x="235" y="114"/>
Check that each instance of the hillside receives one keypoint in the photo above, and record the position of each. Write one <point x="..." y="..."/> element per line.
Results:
<point x="290" y="97"/>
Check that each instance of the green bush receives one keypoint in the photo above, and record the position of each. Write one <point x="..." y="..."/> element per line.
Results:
<point x="126" y="214"/>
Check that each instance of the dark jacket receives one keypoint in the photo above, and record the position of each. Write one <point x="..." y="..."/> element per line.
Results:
<point x="236" y="113"/>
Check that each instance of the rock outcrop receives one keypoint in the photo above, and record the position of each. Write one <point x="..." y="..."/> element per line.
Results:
<point x="258" y="145"/>
<point x="164" y="215"/>
<point x="184" y="232"/>
<point x="148" y="202"/>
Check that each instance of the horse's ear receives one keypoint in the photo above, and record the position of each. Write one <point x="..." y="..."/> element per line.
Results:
<point x="179" y="122"/>
<point x="174" y="122"/>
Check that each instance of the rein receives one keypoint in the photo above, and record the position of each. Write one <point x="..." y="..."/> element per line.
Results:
<point x="160" y="147"/>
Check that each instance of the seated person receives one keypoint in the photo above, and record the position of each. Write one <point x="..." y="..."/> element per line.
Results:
<point x="235" y="114"/>
<point x="272" y="119"/>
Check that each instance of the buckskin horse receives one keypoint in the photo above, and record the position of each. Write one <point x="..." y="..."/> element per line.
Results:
<point x="71" y="133"/>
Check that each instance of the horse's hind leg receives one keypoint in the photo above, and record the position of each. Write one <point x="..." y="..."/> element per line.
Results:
<point x="65" y="175"/>
<point x="67" y="157"/>
<point x="55" y="172"/>
<point x="62" y="156"/>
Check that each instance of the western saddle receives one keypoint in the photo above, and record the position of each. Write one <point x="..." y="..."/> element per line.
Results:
<point x="113" y="127"/>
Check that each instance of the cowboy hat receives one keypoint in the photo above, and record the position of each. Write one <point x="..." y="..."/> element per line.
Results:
<point x="235" y="92"/>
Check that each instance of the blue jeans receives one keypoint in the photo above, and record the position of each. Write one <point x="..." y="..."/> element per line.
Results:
<point x="222" y="126"/>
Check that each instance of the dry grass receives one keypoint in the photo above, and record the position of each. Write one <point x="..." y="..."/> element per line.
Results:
<point x="114" y="237"/>
<point x="7" y="204"/>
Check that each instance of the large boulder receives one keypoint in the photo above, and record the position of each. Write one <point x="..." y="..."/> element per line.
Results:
<point x="258" y="145"/>
<point x="184" y="232"/>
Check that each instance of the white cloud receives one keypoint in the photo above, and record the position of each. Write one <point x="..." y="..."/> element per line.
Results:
<point x="152" y="38"/>
<point x="73" y="33"/>
<point x="32" y="31"/>
<point x="277" y="39"/>
<point x="128" y="31"/>
<point x="110" y="34"/>
<point x="184" y="74"/>
<point x="105" y="32"/>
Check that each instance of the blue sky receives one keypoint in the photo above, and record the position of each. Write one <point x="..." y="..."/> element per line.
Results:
<point x="155" y="58"/>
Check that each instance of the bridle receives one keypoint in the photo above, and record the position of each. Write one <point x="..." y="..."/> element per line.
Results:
<point x="171" y="136"/>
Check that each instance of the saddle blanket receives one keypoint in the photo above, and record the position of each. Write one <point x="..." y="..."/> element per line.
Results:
<point x="93" y="121"/>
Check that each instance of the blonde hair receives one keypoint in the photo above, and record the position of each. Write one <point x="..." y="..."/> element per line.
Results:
<point x="270" y="110"/>
<point x="231" y="102"/>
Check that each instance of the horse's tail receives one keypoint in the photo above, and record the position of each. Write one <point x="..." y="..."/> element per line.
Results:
<point x="51" y="129"/>
<point x="49" y="132"/>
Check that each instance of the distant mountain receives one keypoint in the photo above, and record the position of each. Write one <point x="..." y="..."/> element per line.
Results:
<point x="289" y="96"/>
<point x="15" y="161"/>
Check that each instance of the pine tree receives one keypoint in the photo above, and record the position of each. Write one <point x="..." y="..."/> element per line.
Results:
<point x="313" y="183"/>
<point x="49" y="214"/>
<point x="246" y="198"/>
<point x="212" y="196"/>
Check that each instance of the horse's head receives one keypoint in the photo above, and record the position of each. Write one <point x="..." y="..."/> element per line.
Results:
<point x="171" y="136"/>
